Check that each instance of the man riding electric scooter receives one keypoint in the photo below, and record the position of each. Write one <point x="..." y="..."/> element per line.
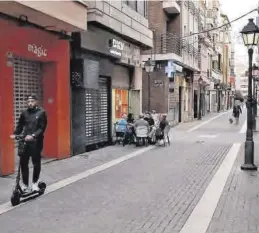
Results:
<point x="32" y="124"/>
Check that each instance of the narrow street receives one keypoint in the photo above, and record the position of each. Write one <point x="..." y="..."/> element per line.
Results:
<point x="154" y="189"/>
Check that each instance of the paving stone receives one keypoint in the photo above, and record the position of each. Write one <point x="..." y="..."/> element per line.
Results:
<point x="161" y="187"/>
<point x="238" y="210"/>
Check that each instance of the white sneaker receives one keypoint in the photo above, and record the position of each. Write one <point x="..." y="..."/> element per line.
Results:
<point x="24" y="188"/>
<point x="35" y="187"/>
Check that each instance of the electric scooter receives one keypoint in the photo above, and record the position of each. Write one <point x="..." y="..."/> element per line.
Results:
<point x="18" y="194"/>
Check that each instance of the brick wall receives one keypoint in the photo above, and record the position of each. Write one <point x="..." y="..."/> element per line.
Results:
<point x="161" y="23"/>
<point x="157" y="17"/>
<point x="174" y="25"/>
<point x="158" y="95"/>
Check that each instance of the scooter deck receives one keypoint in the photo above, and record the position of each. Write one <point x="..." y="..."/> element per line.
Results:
<point x="31" y="193"/>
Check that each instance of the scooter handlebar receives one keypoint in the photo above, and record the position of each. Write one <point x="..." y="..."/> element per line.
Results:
<point x="19" y="137"/>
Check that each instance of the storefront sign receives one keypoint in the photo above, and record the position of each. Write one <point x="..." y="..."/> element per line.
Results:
<point x="172" y="68"/>
<point x="39" y="51"/>
<point x="116" y="44"/>
<point x="158" y="83"/>
<point x="116" y="47"/>
<point x="114" y="52"/>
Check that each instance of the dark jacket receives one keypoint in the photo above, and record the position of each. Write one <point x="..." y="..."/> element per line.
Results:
<point x="163" y="124"/>
<point x="236" y="111"/>
<point x="150" y="121"/>
<point x="32" y="121"/>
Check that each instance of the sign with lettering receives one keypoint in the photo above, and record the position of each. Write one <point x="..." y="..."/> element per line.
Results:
<point x="39" y="51"/>
<point x="158" y="83"/>
<point x="116" y="47"/>
<point x="117" y="44"/>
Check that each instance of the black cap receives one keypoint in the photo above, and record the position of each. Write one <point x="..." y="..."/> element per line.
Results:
<point x="32" y="96"/>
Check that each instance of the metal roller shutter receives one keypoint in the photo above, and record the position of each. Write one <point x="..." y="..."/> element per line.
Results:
<point x="96" y="115"/>
<point x="27" y="79"/>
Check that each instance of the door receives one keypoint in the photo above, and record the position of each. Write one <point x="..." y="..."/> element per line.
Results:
<point x="195" y="104"/>
<point x="134" y="103"/>
<point x="180" y="104"/>
<point x="27" y="80"/>
<point x="97" y="118"/>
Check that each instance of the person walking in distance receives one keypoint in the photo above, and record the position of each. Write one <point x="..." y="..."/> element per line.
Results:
<point x="32" y="124"/>
<point x="236" y="113"/>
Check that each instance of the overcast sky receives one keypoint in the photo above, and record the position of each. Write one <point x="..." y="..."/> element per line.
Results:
<point x="235" y="9"/>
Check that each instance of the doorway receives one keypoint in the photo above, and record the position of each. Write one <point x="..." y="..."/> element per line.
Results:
<point x="180" y="104"/>
<point x="195" y="105"/>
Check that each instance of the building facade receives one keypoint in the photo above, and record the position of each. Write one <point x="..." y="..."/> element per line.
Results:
<point x="106" y="72"/>
<point x="35" y="58"/>
<point x="175" y="53"/>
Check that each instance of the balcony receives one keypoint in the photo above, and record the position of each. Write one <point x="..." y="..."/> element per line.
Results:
<point x="67" y="16"/>
<point x="168" y="43"/>
<point x="171" y="7"/>
<point x="215" y="74"/>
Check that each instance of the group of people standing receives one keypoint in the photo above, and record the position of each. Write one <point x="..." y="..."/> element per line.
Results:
<point x="156" y="124"/>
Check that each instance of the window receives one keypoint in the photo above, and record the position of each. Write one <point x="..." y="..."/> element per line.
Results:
<point x="133" y="4"/>
<point x="139" y="6"/>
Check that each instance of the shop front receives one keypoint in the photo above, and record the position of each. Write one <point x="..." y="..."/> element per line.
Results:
<point x="33" y="61"/>
<point x="180" y="93"/>
<point x="107" y="69"/>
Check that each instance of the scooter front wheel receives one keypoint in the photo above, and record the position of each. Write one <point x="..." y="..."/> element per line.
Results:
<point x="15" y="199"/>
<point x="42" y="187"/>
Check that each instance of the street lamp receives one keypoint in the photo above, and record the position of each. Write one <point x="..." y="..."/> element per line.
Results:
<point x="149" y="68"/>
<point x="250" y="34"/>
<point x="200" y="81"/>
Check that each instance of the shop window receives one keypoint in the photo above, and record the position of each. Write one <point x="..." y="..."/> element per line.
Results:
<point x="120" y="103"/>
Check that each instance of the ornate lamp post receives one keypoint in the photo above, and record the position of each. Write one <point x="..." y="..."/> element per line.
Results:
<point x="200" y="81"/>
<point x="250" y="34"/>
<point x="149" y="68"/>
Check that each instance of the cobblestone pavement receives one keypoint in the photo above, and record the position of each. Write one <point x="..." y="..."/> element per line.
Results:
<point x="237" y="211"/>
<point x="154" y="192"/>
<point x="58" y="170"/>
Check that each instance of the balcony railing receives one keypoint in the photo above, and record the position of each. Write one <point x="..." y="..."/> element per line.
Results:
<point x="168" y="43"/>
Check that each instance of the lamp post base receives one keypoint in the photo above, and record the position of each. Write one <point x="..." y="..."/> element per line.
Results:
<point x="249" y="167"/>
<point x="249" y="157"/>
